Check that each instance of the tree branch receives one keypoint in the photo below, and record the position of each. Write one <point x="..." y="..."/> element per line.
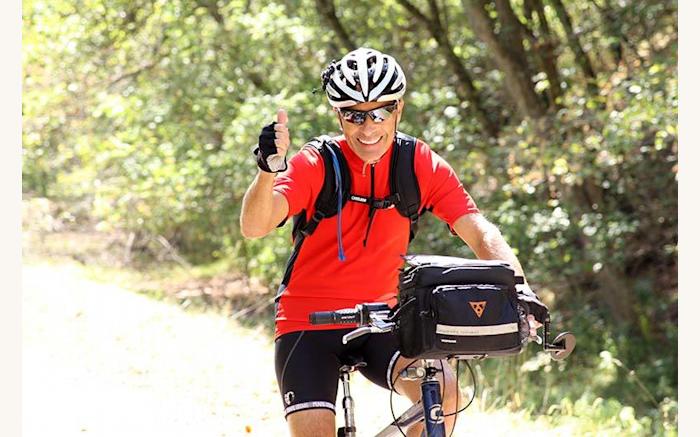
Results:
<point x="212" y="8"/>
<point x="435" y="11"/>
<point x="465" y="86"/>
<point x="416" y="13"/>
<point x="582" y="57"/>
<point x="517" y="80"/>
<point x="155" y="51"/>
<point x="326" y="9"/>
<point x="543" y="47"/>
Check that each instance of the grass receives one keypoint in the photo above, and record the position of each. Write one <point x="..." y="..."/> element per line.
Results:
<point x="215" y="287"/>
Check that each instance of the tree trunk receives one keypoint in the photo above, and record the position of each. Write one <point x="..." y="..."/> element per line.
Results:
<point x="465" y="88"/>
<point x="613" y="286"/>
<point x="612" y="29"/>
<point x="517" y="80"/>
<point x="512" y="33"/>
<point x="544" y="50"/>
<point x="582" y="58"/>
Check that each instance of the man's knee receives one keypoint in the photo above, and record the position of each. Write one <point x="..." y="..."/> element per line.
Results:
<point x="313" y="422"/>
<point x="412" y="390"/>
<point x="453" y="395"/>
<point x="409" y="388"/>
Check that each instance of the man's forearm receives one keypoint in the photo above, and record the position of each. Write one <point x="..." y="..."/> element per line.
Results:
<point x="257" y="208"/>
<point x="494" y="246"/>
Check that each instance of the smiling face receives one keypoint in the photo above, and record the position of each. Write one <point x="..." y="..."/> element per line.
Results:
<point x="371" y="140"/>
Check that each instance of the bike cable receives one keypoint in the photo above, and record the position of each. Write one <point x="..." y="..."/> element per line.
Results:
<point x="471" y="371"/>
<point x="391" y="397"/>
<point x="395" y="313"/>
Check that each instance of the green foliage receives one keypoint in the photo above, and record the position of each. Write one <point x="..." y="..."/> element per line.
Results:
<point x="142" y="116"/>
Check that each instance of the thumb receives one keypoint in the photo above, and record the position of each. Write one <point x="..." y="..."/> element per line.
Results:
<point x="281" y="116"/>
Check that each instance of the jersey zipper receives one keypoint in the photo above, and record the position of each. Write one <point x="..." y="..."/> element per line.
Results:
<point x="372" y="209"/>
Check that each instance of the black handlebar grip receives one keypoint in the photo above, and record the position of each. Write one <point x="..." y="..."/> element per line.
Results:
<point x="321" y="318"/>
<point x="334" y="317"/>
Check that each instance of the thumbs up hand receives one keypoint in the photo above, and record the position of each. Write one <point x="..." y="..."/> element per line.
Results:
<point x="273" y="143"/>
<point x="281" y="133"/>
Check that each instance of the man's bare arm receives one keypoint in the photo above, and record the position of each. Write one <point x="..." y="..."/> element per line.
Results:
<point x="263" y="209"/>
<point x="484" y="238"/>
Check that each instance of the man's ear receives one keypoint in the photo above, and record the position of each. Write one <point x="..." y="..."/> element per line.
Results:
<point x="340" y="122"/>
<point x="399" y="110"/>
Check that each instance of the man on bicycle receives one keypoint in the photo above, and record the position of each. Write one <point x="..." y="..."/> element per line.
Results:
<point x="357" y="261"/>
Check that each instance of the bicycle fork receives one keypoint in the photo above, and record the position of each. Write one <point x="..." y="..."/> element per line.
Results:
<point x="432" y="404"/>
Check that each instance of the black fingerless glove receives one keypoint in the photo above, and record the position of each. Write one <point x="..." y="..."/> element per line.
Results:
<point x="266" y="148"/>
<point x="532" y="303"/>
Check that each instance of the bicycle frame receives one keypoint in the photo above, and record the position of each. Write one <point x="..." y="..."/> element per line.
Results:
<point x="413" y="415"/>
<point x="371" y="318"/>
<point x="432" y="405"/>
<point x="428" y="409"/>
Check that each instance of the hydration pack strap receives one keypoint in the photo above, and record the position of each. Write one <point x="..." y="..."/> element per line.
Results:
<point x="336" y="183"/>
<point x="309" y="227"/>
<point x="403" y="180"/>
<point x="326" y="204"/>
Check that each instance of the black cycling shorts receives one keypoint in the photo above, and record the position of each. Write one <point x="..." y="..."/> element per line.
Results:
<point x="307" y="365"/>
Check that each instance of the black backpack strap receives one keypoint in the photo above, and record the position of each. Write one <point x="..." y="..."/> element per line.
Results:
<point x="289" y="267"/>
<point x="326" y="204"/>
<point x="403" y="180"/>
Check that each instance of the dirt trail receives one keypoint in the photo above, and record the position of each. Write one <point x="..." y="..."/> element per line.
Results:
<point x="99" y="360"/>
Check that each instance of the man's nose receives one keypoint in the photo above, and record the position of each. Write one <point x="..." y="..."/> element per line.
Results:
<point x="368" y="124"/>
<point x="365" y="122"/>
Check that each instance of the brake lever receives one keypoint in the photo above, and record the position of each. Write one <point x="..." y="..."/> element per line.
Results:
<point x="359" y="332"/>
<point x="535" y="338"/>
<point x="376" y="326"/>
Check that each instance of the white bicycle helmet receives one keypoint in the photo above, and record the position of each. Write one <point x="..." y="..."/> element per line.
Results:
<point x="363" y="75"/>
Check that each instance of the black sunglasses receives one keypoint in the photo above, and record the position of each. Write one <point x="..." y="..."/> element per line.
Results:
<point x="377" y="115"/>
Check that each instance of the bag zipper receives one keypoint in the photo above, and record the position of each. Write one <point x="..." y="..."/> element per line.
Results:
<point x="456" y="287"/>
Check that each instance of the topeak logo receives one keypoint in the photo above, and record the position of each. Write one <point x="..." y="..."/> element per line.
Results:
<point x="289" y="397"/>
<point x="478" y="307"/>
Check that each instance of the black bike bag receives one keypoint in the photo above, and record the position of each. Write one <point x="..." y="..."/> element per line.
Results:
<point x="456" y="307"/>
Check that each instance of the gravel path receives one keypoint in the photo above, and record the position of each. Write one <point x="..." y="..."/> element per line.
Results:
<point x="99" y="360"/>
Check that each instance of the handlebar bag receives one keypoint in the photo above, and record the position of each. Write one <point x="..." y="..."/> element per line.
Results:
<point x="457" y="307"/>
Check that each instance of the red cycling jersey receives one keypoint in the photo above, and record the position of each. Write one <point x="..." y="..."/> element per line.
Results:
<point x="319" y="280"/>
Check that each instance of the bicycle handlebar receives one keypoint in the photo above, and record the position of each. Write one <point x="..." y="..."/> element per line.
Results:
<point x="374" y="318"/>
<point x="348" y="316"/>
<point x="369" y="317"/>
